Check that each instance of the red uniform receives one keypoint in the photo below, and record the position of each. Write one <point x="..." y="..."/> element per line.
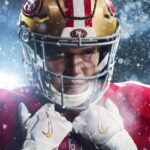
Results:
<point x="132" y="99"/>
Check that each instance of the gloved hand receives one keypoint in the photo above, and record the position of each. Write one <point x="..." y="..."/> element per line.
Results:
<point x="104" y="127"/>
<point x="45" y="130"/>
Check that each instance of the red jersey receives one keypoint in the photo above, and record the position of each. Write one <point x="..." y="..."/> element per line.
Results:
<point x="132" y="99"/>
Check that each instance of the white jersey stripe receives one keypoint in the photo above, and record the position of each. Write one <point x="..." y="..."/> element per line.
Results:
<point x="79" y="11"/>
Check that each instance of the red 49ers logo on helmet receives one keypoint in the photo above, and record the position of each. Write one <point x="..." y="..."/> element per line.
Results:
<point x="31" y="7"/>
<point x="110" y="6"/>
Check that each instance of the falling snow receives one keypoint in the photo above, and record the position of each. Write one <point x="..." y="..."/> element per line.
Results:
<point x="4" y="126"/>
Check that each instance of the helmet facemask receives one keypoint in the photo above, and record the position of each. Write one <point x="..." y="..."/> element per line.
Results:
<point x="35" y="59"/>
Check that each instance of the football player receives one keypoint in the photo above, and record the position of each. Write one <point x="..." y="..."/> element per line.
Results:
<point x="69" y="49"/>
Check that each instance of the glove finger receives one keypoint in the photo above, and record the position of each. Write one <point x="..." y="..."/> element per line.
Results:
<point x="78" y="124"/>
<point x="109" y="105"/>
<point x="43" y="111"/>
<point x="42" y="114"/>
<point x="24" y="114"/>
<point x="68" y="126"/>
<point x="51" y="106"/>
<point x="48" y="106"/>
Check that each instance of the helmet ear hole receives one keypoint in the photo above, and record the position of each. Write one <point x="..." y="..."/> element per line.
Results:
<point x="107" y="16"/>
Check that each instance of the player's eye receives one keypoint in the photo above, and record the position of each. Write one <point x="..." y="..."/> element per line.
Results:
<point x="55" y="55"/>
<point x="88" y="53"/>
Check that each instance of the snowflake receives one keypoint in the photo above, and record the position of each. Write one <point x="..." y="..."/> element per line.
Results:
<point x="4" y="126"/>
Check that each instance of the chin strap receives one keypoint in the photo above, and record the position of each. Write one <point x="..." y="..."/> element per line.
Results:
<point x="71" y="100"/>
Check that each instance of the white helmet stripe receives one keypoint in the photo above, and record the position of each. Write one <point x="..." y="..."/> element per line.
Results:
<point x="79" y="11"/>
<point x="103" y="63"/>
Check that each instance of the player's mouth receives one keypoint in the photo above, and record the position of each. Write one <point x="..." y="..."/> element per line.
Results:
<point x="74" y="84"/>
<point x="75" y="87"/>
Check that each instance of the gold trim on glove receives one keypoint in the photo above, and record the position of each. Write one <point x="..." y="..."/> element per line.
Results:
<point x="50" y="128"/>
<point x="102" y="129"/>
